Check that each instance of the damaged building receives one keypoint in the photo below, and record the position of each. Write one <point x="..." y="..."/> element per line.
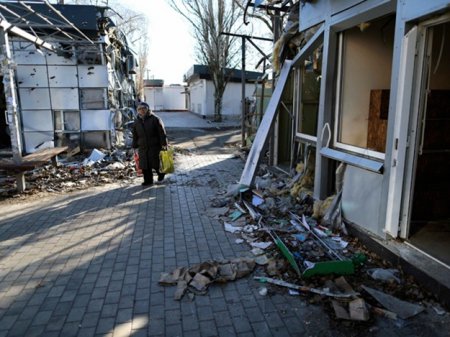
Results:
<point x="361" y="101"/>
<point x="66" y="77"/>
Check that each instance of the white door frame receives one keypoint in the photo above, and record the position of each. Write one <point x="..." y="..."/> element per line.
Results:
<point x="400" y="144"/>
<point x="417" y="117"/>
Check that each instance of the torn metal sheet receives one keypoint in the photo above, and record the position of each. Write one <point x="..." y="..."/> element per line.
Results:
<point x="344" y="267"/>
<point x="260" y="141"/>
<point x="286" y="252"/>
<point x="402" y="308"/>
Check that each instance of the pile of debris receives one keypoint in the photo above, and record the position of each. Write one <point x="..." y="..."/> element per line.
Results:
<point x="301" y="245"/>
<point x="74" y="172"/>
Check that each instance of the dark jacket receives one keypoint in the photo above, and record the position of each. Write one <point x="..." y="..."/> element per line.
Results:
<point x="149" y="136"/>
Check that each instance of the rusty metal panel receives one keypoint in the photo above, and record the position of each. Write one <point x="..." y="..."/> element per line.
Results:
<point x="64" y="98"/>
<point x="62" y="76"/>
<point x="32" y="76"/>
<point x="37" y="120"/>
<point x="92" y="120"/>
<point x="34" y="98"/>
<point x="93" y="76"/>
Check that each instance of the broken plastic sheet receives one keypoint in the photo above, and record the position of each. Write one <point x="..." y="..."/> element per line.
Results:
<point x="232" y="229"/>
<point x="262" y="245"/>
<point x="95" y="157"/>
<point x="257" y="200"/>
<point x="386" y="275"/>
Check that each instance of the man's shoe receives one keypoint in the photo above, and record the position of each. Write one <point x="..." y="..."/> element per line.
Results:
<point x="147" y="183"/>
<point x="161" y="176"/>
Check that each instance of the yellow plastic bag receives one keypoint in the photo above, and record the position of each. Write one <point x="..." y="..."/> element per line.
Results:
<point x="166" y="161"/>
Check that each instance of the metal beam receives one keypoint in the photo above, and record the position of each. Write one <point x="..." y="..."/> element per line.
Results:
<point x="67" y="21"/>
<point x="7" y="27"/>
<point x="260" y="142"/>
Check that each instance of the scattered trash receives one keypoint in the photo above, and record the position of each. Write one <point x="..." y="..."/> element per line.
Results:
<point x="257" y="200"/>
<point x="357" y="310"/>
<point x="262" y="245"/>
<point x="263" y="291"/>
<point x="232" y="229"/>
<point x="262" y="260"/>
<point x="403" y="309"/>
<point x="257" y="251"/>
<point x="303" y="288"/>
<point x="197" y="278"/>
<point x="235" y="215"/>
<point x="439" y="310"/>
<point x="95" y="157"/>
<point x="387" y="275"/>
<point x="293" y="292"/>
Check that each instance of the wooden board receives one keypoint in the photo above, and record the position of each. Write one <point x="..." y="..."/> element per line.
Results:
<point x="377" y="123"/>
<point x="32" y="160"/>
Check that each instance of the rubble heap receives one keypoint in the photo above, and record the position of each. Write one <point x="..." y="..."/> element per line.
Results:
<point x="301" y="245"/>
<point x="74" y="173"/>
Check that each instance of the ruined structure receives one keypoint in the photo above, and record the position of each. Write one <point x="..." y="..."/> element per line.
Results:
<point x="66" y="74"/>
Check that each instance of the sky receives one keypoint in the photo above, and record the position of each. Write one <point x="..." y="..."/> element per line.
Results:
<point x="171" y="46"/>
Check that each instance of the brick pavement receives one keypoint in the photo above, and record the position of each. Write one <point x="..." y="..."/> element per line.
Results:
<point x="88" y="264"/>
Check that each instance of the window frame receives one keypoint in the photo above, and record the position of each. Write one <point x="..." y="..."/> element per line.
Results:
<point x="358" y="151"/>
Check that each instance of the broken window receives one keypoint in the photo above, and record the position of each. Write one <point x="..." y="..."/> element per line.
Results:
<point x="89" y="54"/>
<point x="67" y="128"/>
<point x="364" y="78"/>
<point x="66" y="120"/>
<point x="308" y="89"/>
<point x="92" y="99"/>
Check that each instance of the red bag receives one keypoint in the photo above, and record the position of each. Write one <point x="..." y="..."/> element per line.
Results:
<point x="136" y="161"/>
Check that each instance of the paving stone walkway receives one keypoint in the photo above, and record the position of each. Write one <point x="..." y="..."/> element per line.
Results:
<point x="88" y="264"/>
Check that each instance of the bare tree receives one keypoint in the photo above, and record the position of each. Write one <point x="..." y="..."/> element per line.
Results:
<point x="209" y="19"/>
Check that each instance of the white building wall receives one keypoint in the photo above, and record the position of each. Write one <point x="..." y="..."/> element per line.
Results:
<point x="154" y="98"/>
<point x="174" y="98"/>
<point x="202" y="98"/>
<point x="231" y="102"/>
<point x="197" y="97"/>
